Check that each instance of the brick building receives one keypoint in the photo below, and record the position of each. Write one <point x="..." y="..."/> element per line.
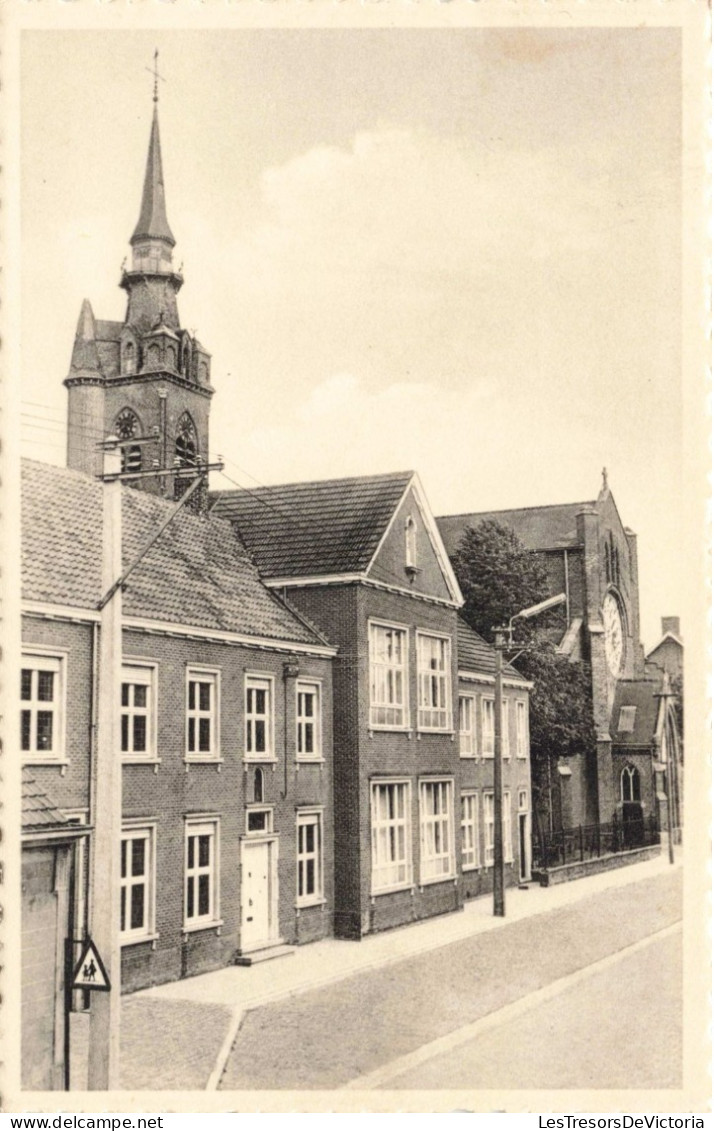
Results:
<point x="307" y="727"/>
<point x="226" y="732"/>
<point x="591" y="558"/>
<point x="413" y="719"/>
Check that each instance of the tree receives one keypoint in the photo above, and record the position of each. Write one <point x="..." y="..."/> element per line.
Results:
<point x="499" y="577"/>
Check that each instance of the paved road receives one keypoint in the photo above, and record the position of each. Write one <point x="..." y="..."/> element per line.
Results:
<point x="328" y="1037"/>
<point x="617" y="1027"/>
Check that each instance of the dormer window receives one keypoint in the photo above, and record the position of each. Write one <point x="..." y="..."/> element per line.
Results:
<point x="410" y="548"/>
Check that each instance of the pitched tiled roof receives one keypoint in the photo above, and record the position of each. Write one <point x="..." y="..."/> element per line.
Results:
<point x="309" y="529"/>
<point x="476" y="654"/>
<point x="639" y="694"/>
<point x="539" y="528"/>
<point x="38" y="811"/>
<point x="198" y="573"/>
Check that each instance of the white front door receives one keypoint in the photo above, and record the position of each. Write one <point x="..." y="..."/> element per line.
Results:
<point x="259" y="893"/>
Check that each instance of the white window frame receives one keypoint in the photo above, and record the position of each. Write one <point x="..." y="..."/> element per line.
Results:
<point x="305" y="818"/>
<point x="505" y="728"/>
<point x="467" y="738"/>
<point x="507" y="827"/>
<point x="521" y="728"/>
<point x="433" y="827"/>
<point x="385" y="832"/>
<point x="523" y="806"/>
<point x="258" y="807"/>
<point x="196" y="827"/>
<point x="488" y="732"/>
<point x="471" y="856"/>
<point x="212" y="676"/>
<point x="410" y="544"/>
<point x="426" y="688"/>
<point x="313" y="687"/>
<point x="259" y="681"/>
<point x="381" y="672"/>
<point x="136" y="673"/>
<point x="489" y="825"/>
<point x="146" y="831"/>
<point x="45" y="660"/>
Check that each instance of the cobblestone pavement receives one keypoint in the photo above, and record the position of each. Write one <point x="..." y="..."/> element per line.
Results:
<point x="164" y="1044"/>
<point x="170" y="1044"/>
<point x="327" y="1037"/>
<point x="589" y="1036"/>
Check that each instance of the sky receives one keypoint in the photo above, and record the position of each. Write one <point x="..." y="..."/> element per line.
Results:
<point x="453" y="250"/>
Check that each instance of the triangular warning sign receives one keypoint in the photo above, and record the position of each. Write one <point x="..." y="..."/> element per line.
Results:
<point x="89" y="973"/>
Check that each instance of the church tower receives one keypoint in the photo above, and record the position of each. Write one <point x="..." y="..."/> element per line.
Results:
<point x="145" y="376"/>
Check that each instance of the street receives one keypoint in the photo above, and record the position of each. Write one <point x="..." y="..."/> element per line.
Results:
<point x="615" y="1025"/>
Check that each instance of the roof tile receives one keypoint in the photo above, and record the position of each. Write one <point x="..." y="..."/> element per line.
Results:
<point x="198" y="573"/>
<point x="539" y="528"/>
<point x="317" y="528"/>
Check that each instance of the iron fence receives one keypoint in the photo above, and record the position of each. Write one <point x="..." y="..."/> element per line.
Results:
<point x="588" y="842"/>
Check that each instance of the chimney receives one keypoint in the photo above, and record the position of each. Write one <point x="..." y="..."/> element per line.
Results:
<point x="670" y="624"/>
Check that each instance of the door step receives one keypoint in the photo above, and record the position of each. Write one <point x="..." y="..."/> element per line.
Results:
<point x="264" y="954"/>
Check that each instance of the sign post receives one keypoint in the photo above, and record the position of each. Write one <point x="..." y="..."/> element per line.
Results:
<point x="105" y="1008"/>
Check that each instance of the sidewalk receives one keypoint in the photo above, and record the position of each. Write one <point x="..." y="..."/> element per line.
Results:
<point x="179" y="1035"/>
<point x="331" y="960"/>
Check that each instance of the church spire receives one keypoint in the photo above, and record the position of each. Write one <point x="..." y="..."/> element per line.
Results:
<point x="152" y="223"/>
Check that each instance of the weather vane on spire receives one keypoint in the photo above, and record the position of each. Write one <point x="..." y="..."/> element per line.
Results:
<point x="155" y="72"/>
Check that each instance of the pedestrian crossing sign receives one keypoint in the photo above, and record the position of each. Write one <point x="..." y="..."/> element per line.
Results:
<point x="89" y="973"/>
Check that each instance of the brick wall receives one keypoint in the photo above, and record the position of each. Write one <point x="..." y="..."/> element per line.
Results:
<point x="163" y="793"/>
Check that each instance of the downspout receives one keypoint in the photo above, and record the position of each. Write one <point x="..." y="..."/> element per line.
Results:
<point x="567" y="590"/>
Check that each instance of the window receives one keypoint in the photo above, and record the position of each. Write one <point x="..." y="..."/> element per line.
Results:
<point x="259" y="821"/>
<point x="467" y="726"/>
<point x="391" y="835"/>
<point x="522" y="800"/>
<point x="201" y="889"/>
<point x="136" y="916"/>
<point x="521" y="729"/>
<point x="258" y="718"/>
<point x="626" y="722"/>
<point x="41" y="691"/>
<point x="137" y="713"/>
<point x="202" y="715"/>
<point x="309" y="858"/>
<point x="506" y="826"/>
<point x="630" y="784"/>
<point x="487" y="724"/>
<point x="469" y="831"/>
<point x="437" y="830"/>
<point x="488" y="826"/>
<point x="410" y="549"/>
<point x="387" y="676"/>
<point x="127" y="426"/>
<point x="186" y="444"/>
<point x="434" y="666"/>
<point x="309" y="738"/>
<point x="505" y="736"/>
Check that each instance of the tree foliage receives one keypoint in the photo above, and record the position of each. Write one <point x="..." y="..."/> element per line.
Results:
<point x="499" y="577"/>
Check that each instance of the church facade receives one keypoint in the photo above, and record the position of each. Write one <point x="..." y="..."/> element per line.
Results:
<point x="590" y="558"/>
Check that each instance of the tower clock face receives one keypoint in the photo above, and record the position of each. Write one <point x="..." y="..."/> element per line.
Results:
<point x="614" y="633"/>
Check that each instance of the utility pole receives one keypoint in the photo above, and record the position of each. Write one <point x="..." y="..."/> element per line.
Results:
<point x="502" y="640"/>
<point x="105" y="1007"/>
<point x="499" y="894"/>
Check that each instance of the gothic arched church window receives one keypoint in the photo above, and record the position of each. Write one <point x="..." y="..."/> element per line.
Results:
<point x="127" y="427"/>
<point x="186" y="444"/>
<point x="630" y="784"/>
